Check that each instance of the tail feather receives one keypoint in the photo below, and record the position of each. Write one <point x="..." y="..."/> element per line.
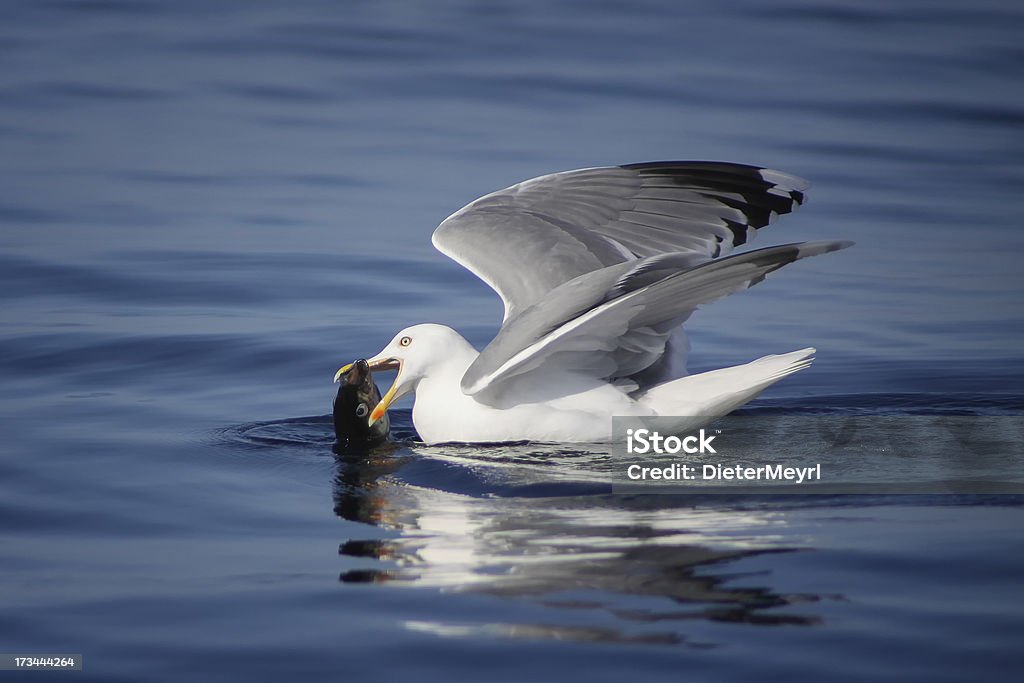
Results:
<point x="719" y="392"/>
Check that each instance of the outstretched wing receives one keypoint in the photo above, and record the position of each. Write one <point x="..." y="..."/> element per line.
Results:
<point x="614" y="322"/>
<point x="526" y="240"/>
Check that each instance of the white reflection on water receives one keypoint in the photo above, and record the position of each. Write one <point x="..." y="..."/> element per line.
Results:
<point x="633" y="561"/>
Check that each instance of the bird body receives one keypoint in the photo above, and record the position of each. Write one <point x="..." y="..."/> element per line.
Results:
<point x="561" y="407"/>
<point x="597" y="270"/>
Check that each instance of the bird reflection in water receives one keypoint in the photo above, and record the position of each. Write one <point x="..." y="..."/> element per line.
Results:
<point x="642" y="560"/>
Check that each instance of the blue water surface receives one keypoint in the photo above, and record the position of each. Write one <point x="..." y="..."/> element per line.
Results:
<point x="207" y="206"/>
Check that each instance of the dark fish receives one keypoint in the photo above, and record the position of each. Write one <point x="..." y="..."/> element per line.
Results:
<point x="357" y="396"/>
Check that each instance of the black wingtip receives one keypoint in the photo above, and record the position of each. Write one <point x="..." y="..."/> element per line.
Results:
<point x="760" y="193"/>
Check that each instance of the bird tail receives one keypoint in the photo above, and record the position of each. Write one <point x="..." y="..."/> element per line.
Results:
<point x="719" y="392"/>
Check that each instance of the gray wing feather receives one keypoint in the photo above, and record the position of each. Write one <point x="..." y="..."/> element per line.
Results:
<point x="615" y="322"/>
<point x="528" y="239"/>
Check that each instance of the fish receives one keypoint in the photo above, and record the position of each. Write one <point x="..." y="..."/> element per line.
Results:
<point x="357" y="396"/>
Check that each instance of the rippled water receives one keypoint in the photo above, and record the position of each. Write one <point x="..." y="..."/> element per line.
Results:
<point x="206" y="207"/>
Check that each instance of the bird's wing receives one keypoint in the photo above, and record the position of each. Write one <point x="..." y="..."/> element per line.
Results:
<point x="614" y="322"/>
<point x="528" y="239"/>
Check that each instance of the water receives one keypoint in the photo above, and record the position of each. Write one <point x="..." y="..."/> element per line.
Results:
<point x="207" y="207"/>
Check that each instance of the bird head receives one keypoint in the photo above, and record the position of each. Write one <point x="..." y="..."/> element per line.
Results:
<point x="412" y="352"/>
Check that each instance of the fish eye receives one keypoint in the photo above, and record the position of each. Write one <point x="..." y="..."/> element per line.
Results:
<point x="405" y="341"/>
<point x="362" y="410"/>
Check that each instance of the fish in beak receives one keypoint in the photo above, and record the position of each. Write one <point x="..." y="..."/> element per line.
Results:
<point x="379" y="409"/>
<point x="357" y="398"/>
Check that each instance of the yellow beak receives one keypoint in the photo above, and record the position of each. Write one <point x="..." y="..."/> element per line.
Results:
<point x="385" y="401"/>
<point x="342" y="371"/>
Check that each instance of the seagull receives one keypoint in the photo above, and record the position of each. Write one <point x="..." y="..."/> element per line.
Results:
<point x="598" y="269"/>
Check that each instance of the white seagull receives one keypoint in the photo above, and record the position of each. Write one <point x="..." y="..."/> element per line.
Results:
<point x="597" y="268"/>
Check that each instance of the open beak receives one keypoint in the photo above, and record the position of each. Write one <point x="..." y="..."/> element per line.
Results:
<point x="378" y="365"/>
<point x="375" y="364"/>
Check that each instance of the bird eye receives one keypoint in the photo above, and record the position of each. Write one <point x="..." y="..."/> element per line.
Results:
<point x="362" y="410"/>
<point x="405" y="341"/>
